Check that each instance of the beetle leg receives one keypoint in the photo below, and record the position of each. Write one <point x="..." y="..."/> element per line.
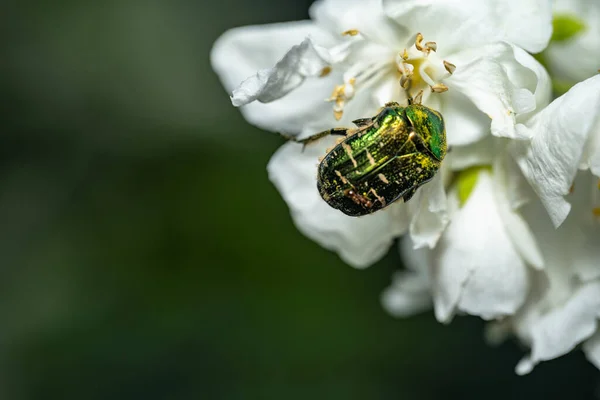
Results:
<point x="363" y="122"/>
<point x="317" y="136"/>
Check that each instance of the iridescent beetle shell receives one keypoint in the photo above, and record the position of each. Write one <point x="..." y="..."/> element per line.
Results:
<point x="388" y="157"/>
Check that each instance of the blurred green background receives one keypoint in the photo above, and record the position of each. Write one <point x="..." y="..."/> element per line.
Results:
<point x="145" y="255"/>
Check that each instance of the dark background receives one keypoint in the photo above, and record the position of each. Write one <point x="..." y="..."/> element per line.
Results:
<point x="145" y="255"/>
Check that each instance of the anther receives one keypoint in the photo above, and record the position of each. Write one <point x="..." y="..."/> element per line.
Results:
<point x="449" y="67"/>
<point x="418" y="98"/>
<point x="596" y="211"/>
<point x="572" y="189"/>
<point x="431" y="46"/>
<point x="405" y="81"/>
<point x="350" y="32"/>
<point x="419" y="42"/>
<point x="340" y="94"/>
<point x="404" y="55"/>
<point x="598" y="184"/>
<point x="439" y="88"/>
<point x="325" y="71"/>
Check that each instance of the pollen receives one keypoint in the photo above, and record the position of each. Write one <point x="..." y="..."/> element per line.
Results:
<point x="350" y="32"/>
<point x="439" y="88"/>
<point x="419" y="41"/>
<point x="421" y="68"/>
<point x="596" y="212"/>
<point x="325" y="71"/>
<point x="339" y="96"/>
<point x="431" y="46"/>
<point x="449" y="67"/>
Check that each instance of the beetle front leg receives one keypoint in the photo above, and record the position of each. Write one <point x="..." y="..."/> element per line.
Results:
<point x="317" y="136"/>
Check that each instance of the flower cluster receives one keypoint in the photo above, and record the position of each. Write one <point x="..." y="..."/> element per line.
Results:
<point x="509" y="228"/>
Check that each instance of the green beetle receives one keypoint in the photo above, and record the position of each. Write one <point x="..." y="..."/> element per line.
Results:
<point x="387" y="158"/>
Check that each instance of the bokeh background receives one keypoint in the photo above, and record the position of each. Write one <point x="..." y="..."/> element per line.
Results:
<point x="145" y="255"/>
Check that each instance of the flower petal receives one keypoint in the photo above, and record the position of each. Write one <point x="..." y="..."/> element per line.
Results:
<point x="430" y="215"/>
<point x="465" y="123"/>
<point x="360" y="241"/>
<point x="477" y="269"/>
<point x="301" y="61"/>
<point x="459" y="23"/>
<point x="240" y="52"/>
<point x="560" y="330"/>
<point x="486" y="77"/>
<point x="521" y="235"/>
<point x="591" y="348"/>
<point x="584" y="47"/>
<point x="481" y="152"/>
<point x="559" y="134"/>
<point x="409" y="293"/>
<point x="591" y="154"/>
<point x="366" y="16"/>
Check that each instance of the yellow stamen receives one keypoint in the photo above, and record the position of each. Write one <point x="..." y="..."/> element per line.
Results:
<point x="431" y="46"/>
<point x="325" y="71"/>
<point x="418" y="99"/>
<point x="419" y="42"/>
<point x="350" y="32"/>
<point x="596" y="211"/>
<point x="449" y="67"/>
<point x="439" y="88"/>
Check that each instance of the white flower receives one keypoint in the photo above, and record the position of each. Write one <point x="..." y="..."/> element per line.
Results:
<point x="481" y="265"/>
<point x="561" y="284"/>
<point x="565" y="137"/>
<point x="563" y="163"/>
<point x="474" y="48"/>
<point x="574" y="54"/>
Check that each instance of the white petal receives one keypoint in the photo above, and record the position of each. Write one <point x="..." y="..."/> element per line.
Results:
<point x="559" y="134"/>
<point x="240" y="52"/>
<point x="408" y="295"/>
<point x="301" y="61"/>
<point x="410" y="291"/>
<point x="360" y="241"/>
<point x="583" y="229"/>
<point x="521" y="235"/>
<point x="486" y="76"/>
<point x="457" y="24"/>
<point x="560" y="330"/>
<point x="528" y="73"/>
<point x="465" y="123"/>
<point x="476" y="268"/>
<point x="591" y="348"/>
<point x="584" y="48"/>
<point x="366" y="16"/>
<point x="478" y="153"/>
<point x="591" y="154"/>
<point x="430" y="216"/>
